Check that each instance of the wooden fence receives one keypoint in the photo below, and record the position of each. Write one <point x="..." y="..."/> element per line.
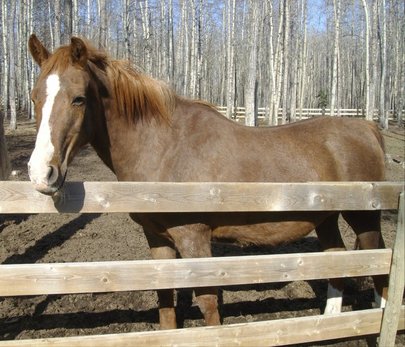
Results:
<point x="35" y="279"/>
<point x="239" y="113"/>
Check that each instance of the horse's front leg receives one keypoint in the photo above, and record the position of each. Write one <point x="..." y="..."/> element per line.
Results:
<point x="194" y="241"/>
<point x="167" y="313"/>
<point x="161" y="248"/>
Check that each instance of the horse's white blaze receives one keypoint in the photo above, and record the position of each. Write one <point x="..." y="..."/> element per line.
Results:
<point x="334" y="301"/>
<point x="44" y="149"/>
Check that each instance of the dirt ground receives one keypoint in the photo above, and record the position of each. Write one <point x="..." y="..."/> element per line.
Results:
<point x="98" y="237"/>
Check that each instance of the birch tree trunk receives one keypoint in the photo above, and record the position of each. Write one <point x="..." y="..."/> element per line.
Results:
<point x="89" y="28"/>
<point x="184" y="50"/>
<point x="4" y="91"/>
<point x="193" y="50"/>
<point x="11" y="50"/>
<point x="335" y="69"/>
<point x="383" y="65"/>
<point x="251" y="80"/>
<point x="75" y="18"/>
<point x="126" y="24"/>
<point x="230" y="90"/>
<point x="272" y="75"/>
<point x="102" y="15"/>
<point x="286" y="49"/>
<point x="373" y="57"/>
<point x="146" y="36"/>
<point x="369" y="115"/>
<point x="4" y="159"/>
<point x="303" y="62"/>
<point x="278" y="68"/>
<point x="67" y="16"/>
<point x="170" y="39"/>
<point x="296" y="71"/>
<point x="29" y="71"/>
<point x="56" y="25"/>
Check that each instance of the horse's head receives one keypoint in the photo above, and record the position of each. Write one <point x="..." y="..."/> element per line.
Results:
<point x="60" y="97"/>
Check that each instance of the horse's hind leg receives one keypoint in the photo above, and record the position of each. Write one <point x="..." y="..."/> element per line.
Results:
<point x="331" y="240"/>
<point x="194" y="241"/>
<point x="367" y="226"/>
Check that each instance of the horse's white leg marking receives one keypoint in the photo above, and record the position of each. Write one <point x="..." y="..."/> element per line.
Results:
<point x="334" y="301"/>
<point x="379" y="300"/>
<point x="38" y="165"/>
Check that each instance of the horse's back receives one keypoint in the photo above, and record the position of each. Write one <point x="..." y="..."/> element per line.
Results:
<point x="353" y="148"/>
<point x="319" y="149"/>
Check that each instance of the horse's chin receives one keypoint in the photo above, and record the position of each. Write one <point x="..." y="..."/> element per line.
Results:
<point x="47" y="190"/>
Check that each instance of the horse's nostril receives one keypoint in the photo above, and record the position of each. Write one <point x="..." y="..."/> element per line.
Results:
<point x="52" y="175"/>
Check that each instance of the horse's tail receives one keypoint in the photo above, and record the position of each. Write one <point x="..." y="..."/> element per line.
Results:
<point x="380" y="139"/>
<point x="378" y="134"/>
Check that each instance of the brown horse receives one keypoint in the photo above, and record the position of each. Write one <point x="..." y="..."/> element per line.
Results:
<point x="143" y="131"/>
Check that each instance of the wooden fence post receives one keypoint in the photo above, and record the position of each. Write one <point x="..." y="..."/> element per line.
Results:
<point x="392" y="310"/>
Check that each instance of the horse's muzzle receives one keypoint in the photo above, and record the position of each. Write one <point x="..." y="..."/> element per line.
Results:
<point x="50" y="182"/>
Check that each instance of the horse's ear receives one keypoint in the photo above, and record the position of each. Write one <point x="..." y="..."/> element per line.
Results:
<point x="78" y="51"/>
<point x="37" y="49"/>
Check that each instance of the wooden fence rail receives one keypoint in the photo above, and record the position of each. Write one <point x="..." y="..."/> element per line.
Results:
<point x="35" y="279"/>
<point x="114" y="276"/>
<point x="99" y="197"/>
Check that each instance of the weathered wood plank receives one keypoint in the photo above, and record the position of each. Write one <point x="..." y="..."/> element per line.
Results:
<point x="96" y="197"/>
<point x="266" y="333"/>
<point x="91" y="277"/>
<point x="396" y="283"/>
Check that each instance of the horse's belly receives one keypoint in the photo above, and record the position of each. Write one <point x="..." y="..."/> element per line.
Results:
<point x="269" y="233"/>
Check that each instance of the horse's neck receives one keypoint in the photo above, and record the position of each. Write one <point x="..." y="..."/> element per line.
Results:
<point x="135" y="150"/>
<point x="100" y="140"/>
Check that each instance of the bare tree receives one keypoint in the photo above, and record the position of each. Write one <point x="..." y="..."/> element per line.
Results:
<point x="103" y="30"/>
<point x="230" y="90"/>
<point x="335" y="70"/>
<point x="278" y="68"/>
<point x="146" y="30"/>
<point x="75" y="17"/>
<point x="383" y="64"/>
<point x="194" y="44"/>
<point x="303" y="60"/>
<point x="251" y="80"/>
<point x="56" y="24"/>
<point x="368" y="106"/>
<point x="286" y="61"/>
<point x="126" y="24"/>
<point x="12" y="76"/>
<point x="5" y="55"/>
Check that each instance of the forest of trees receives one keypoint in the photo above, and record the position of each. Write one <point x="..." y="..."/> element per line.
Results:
<point x="288" y="54"/>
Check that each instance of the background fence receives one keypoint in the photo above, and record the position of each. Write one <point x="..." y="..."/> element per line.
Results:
<point x="94" y="197"/>
<point x="239" y="113"/>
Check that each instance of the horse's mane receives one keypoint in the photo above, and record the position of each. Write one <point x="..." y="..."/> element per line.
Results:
<point x="137" y="95"/>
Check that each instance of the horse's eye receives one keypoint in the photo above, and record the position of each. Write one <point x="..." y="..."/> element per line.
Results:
<point x="79" y="101"/>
